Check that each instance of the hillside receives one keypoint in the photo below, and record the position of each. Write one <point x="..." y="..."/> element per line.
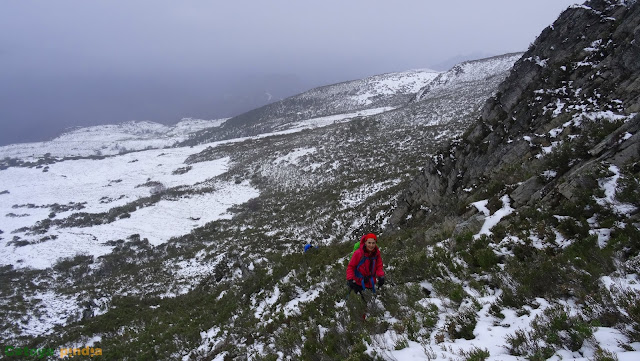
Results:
<point x="103" y="140"/>
<point x="505" y="193"/>
<point x="547" y="181"/>
<point x="85" y="232"/>
<point x="384" y="91"/>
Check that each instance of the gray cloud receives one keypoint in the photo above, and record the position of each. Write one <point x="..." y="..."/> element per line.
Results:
<point x="73" y="62"/>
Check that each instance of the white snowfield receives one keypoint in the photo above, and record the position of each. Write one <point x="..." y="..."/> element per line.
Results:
<point x="100" y="185"/>
<point x="468" y="72"/>
<point x="363" y="92"/>
<point x="320" y="122"/>
<point x="110" y="139"/>
<point x="409" y="82"/>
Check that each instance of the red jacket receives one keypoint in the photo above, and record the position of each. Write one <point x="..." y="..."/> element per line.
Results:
<point x="370" y="267"/>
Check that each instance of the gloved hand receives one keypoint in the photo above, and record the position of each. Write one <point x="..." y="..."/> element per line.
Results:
<point x="380" y="281"/>
<point x="354" y="286"/>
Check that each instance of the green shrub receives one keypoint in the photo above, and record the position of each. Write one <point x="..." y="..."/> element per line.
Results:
<point x="65" y="265"/>
<point x="476" y="354"/>
<point x="555" y="272"/>
<point x="542" y="276"/>
<point x="431" y="316"/>
<point x="462" y="324"/>
<point x="401" y="343"/>
<point x="484" y="258"/>
<point x="626" y="241"/>
<point x="629" y="187"/>
<point x="450" y="289"/>
<point x="604" y="355"/>
<point x="573" y="228"/>
<point x="588" y="263"/>
<point x="629" y="302"/>
<point x="552" y="330"/>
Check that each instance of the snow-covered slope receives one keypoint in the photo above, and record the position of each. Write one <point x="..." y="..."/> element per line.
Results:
<point x="453" y="97"/>
<point x="195" y="252"/>
<point x="93" y="193"/>
<point x="48" y="210"/>
<point x="110" y="139"/>
<point x="475" y="72"/>
<point x="367" y="91"/>
<point x="136" y="181"/>
<point x="389" y="90"/>
<point x="421" y="97"/>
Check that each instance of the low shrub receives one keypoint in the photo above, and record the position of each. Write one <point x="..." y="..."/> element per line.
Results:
<point x="476" y="354"/>
<point x="450" y="289"/>
<point x="604" y="355"/>
<point x="462" y="324"/>
<point x="554" y="329"/>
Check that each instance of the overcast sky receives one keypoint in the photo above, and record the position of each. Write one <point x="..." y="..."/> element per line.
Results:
<point x="78" y="62"/>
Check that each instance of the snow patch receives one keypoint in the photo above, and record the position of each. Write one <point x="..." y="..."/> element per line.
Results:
<point x="491" y="220"/>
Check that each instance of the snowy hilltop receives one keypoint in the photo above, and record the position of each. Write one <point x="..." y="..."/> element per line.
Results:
<point x="110" y="139"/>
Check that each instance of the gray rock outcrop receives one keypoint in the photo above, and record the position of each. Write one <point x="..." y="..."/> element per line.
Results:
<point x="582" y="69"/>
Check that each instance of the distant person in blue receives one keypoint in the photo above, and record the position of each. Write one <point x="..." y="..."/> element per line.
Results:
<point x="309" y="246"/>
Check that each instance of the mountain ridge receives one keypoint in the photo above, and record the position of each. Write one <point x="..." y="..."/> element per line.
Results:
<point x="371" y="92"/>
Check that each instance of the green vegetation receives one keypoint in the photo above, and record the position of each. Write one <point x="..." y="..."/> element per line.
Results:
<point x="550" y="331"/>
<point x="242" y="287"/>
<point x="476" y="354"/>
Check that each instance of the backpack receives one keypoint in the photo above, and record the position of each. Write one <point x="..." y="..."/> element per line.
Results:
<point x="372" y="270"/>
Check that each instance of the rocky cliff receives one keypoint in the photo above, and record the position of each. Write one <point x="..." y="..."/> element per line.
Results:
<point x="568" y="105"/>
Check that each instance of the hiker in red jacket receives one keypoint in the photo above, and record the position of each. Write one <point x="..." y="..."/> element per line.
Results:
<point x="365" y="265"/>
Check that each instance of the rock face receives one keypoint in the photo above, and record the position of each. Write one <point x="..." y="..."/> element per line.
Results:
<point x="584" y="69"/>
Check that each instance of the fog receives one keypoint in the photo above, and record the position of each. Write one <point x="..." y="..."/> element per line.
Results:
<point x="70" y="63"/>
